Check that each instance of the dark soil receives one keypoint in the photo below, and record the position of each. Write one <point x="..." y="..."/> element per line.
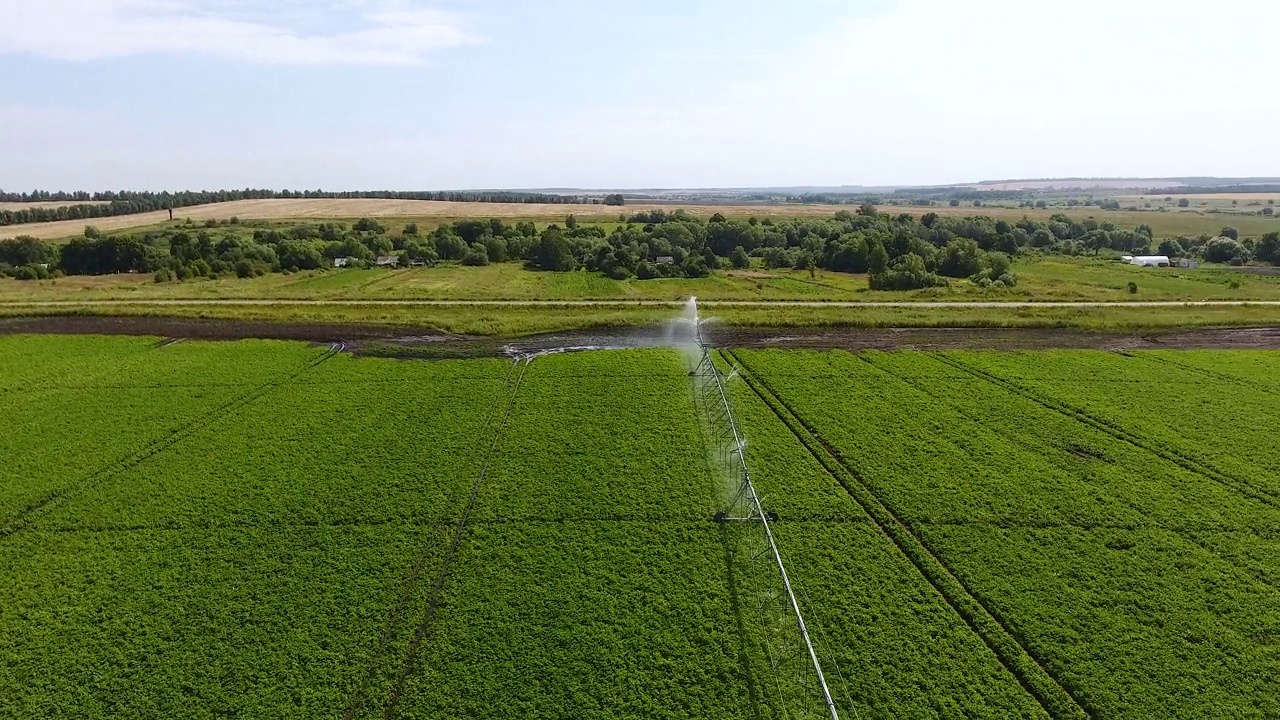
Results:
<point x="1000" y="339"/>
<point x="408" y="342"/>
<point x="206" y="329"/>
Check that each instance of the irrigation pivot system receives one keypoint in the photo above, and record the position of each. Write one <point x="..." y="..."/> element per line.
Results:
<point x="800" y="686"/>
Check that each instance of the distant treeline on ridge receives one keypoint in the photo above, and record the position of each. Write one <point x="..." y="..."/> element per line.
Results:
<point x="111" y="203"/>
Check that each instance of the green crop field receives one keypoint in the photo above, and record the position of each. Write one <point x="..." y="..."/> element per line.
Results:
<point x="267" y="529"/>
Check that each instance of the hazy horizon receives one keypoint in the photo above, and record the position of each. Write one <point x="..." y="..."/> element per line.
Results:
<point x="455" y="94"/>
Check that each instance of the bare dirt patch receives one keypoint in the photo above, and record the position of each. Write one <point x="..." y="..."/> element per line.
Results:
<point x="408" y="341"/>
<point x="1267" y="338"/>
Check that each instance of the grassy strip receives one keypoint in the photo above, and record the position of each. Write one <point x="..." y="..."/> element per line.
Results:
<point x="1040" y="278"/>
<point x="1055" y="698"/>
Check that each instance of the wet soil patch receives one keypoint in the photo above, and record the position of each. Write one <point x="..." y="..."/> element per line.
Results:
<point x="426" y="343"/>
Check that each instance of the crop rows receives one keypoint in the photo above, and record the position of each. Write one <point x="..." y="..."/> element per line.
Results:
<point x="1139" y="582"/>
<point x="253" y="566"/>
<point x="272" y="530"/>
<point x="591" y="581"/>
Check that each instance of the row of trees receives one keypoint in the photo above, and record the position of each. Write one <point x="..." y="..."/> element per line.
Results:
<point x="898" y="251"/>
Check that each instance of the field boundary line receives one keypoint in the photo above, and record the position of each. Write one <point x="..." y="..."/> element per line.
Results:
<point x="1186" y="533"/>
<point x="23" y="517"/>
<point x="397" y="611"/>
<point x="425" y="627"/>
<point x="1187" y="462"/>
<point x="1028" y="670"/>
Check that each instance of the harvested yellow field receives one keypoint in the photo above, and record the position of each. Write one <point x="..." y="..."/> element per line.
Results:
<point x="1191" y="221"/>
<point x="57" y="204"/>
<point x="344" y="209"/>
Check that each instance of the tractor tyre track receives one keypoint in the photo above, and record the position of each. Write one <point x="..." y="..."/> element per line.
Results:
<point x="1137" y="440"/>
<point x="405" y="598"/>
<point x="26" y="515"/>
<point x="1241" y="382"/>
<point x="1010" y="651"/>
<point x="425" y="627"/>
<point x="1053" y="454"/>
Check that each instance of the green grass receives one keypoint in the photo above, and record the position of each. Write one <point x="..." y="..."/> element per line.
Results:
<point x="1040" y="278"/>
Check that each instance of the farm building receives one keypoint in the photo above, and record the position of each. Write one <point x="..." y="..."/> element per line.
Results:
<point x="388" y="261"/>
<point x="1147" y="260"/>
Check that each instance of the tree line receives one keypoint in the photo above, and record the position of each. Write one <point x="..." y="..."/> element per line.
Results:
<point x="109" y="204"/>
<point x="897" y="252"/>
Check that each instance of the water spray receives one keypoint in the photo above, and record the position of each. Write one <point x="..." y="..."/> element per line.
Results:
<point x="744" y="506"/>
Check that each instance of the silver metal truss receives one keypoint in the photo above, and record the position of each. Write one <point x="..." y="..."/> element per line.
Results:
<point x="800" y="686"/>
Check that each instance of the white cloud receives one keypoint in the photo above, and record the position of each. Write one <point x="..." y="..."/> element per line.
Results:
<point x="385" y="32"/>
<point x="926" y="91"/>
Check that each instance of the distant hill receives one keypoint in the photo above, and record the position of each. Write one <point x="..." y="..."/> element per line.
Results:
<point x="1206" y="184"/>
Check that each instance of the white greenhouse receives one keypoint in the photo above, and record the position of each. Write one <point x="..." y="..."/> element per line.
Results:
<point x="1147" y="260"/>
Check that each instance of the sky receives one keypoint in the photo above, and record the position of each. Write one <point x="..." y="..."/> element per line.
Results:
<point x="456" y="94"/>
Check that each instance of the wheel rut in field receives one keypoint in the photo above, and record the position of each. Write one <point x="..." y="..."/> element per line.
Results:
<point x="1242" y="382"/>
<point x="1137" y="440"/>
<point x="405" y="597"/>
<point x="26" y="515"/>
<point x="1053" y="454"/>
<point x="1029" y="670"/>
<point x="425" y="627"/>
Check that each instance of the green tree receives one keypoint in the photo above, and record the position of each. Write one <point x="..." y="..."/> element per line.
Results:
<point x="300" y="254"/>
<point x="1225" y="250"/>
<point x="26" y="250"/>
<point x="476" y="255"/>
<point x="368" y="225"/>
<point x="906" y="273"/>
<point x="877" y="258"/>
<point x="1170" y="247"/>
<point x="552" y="251"/>
<point x="1268" y="248"/>
<point x="961" y="259"/>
